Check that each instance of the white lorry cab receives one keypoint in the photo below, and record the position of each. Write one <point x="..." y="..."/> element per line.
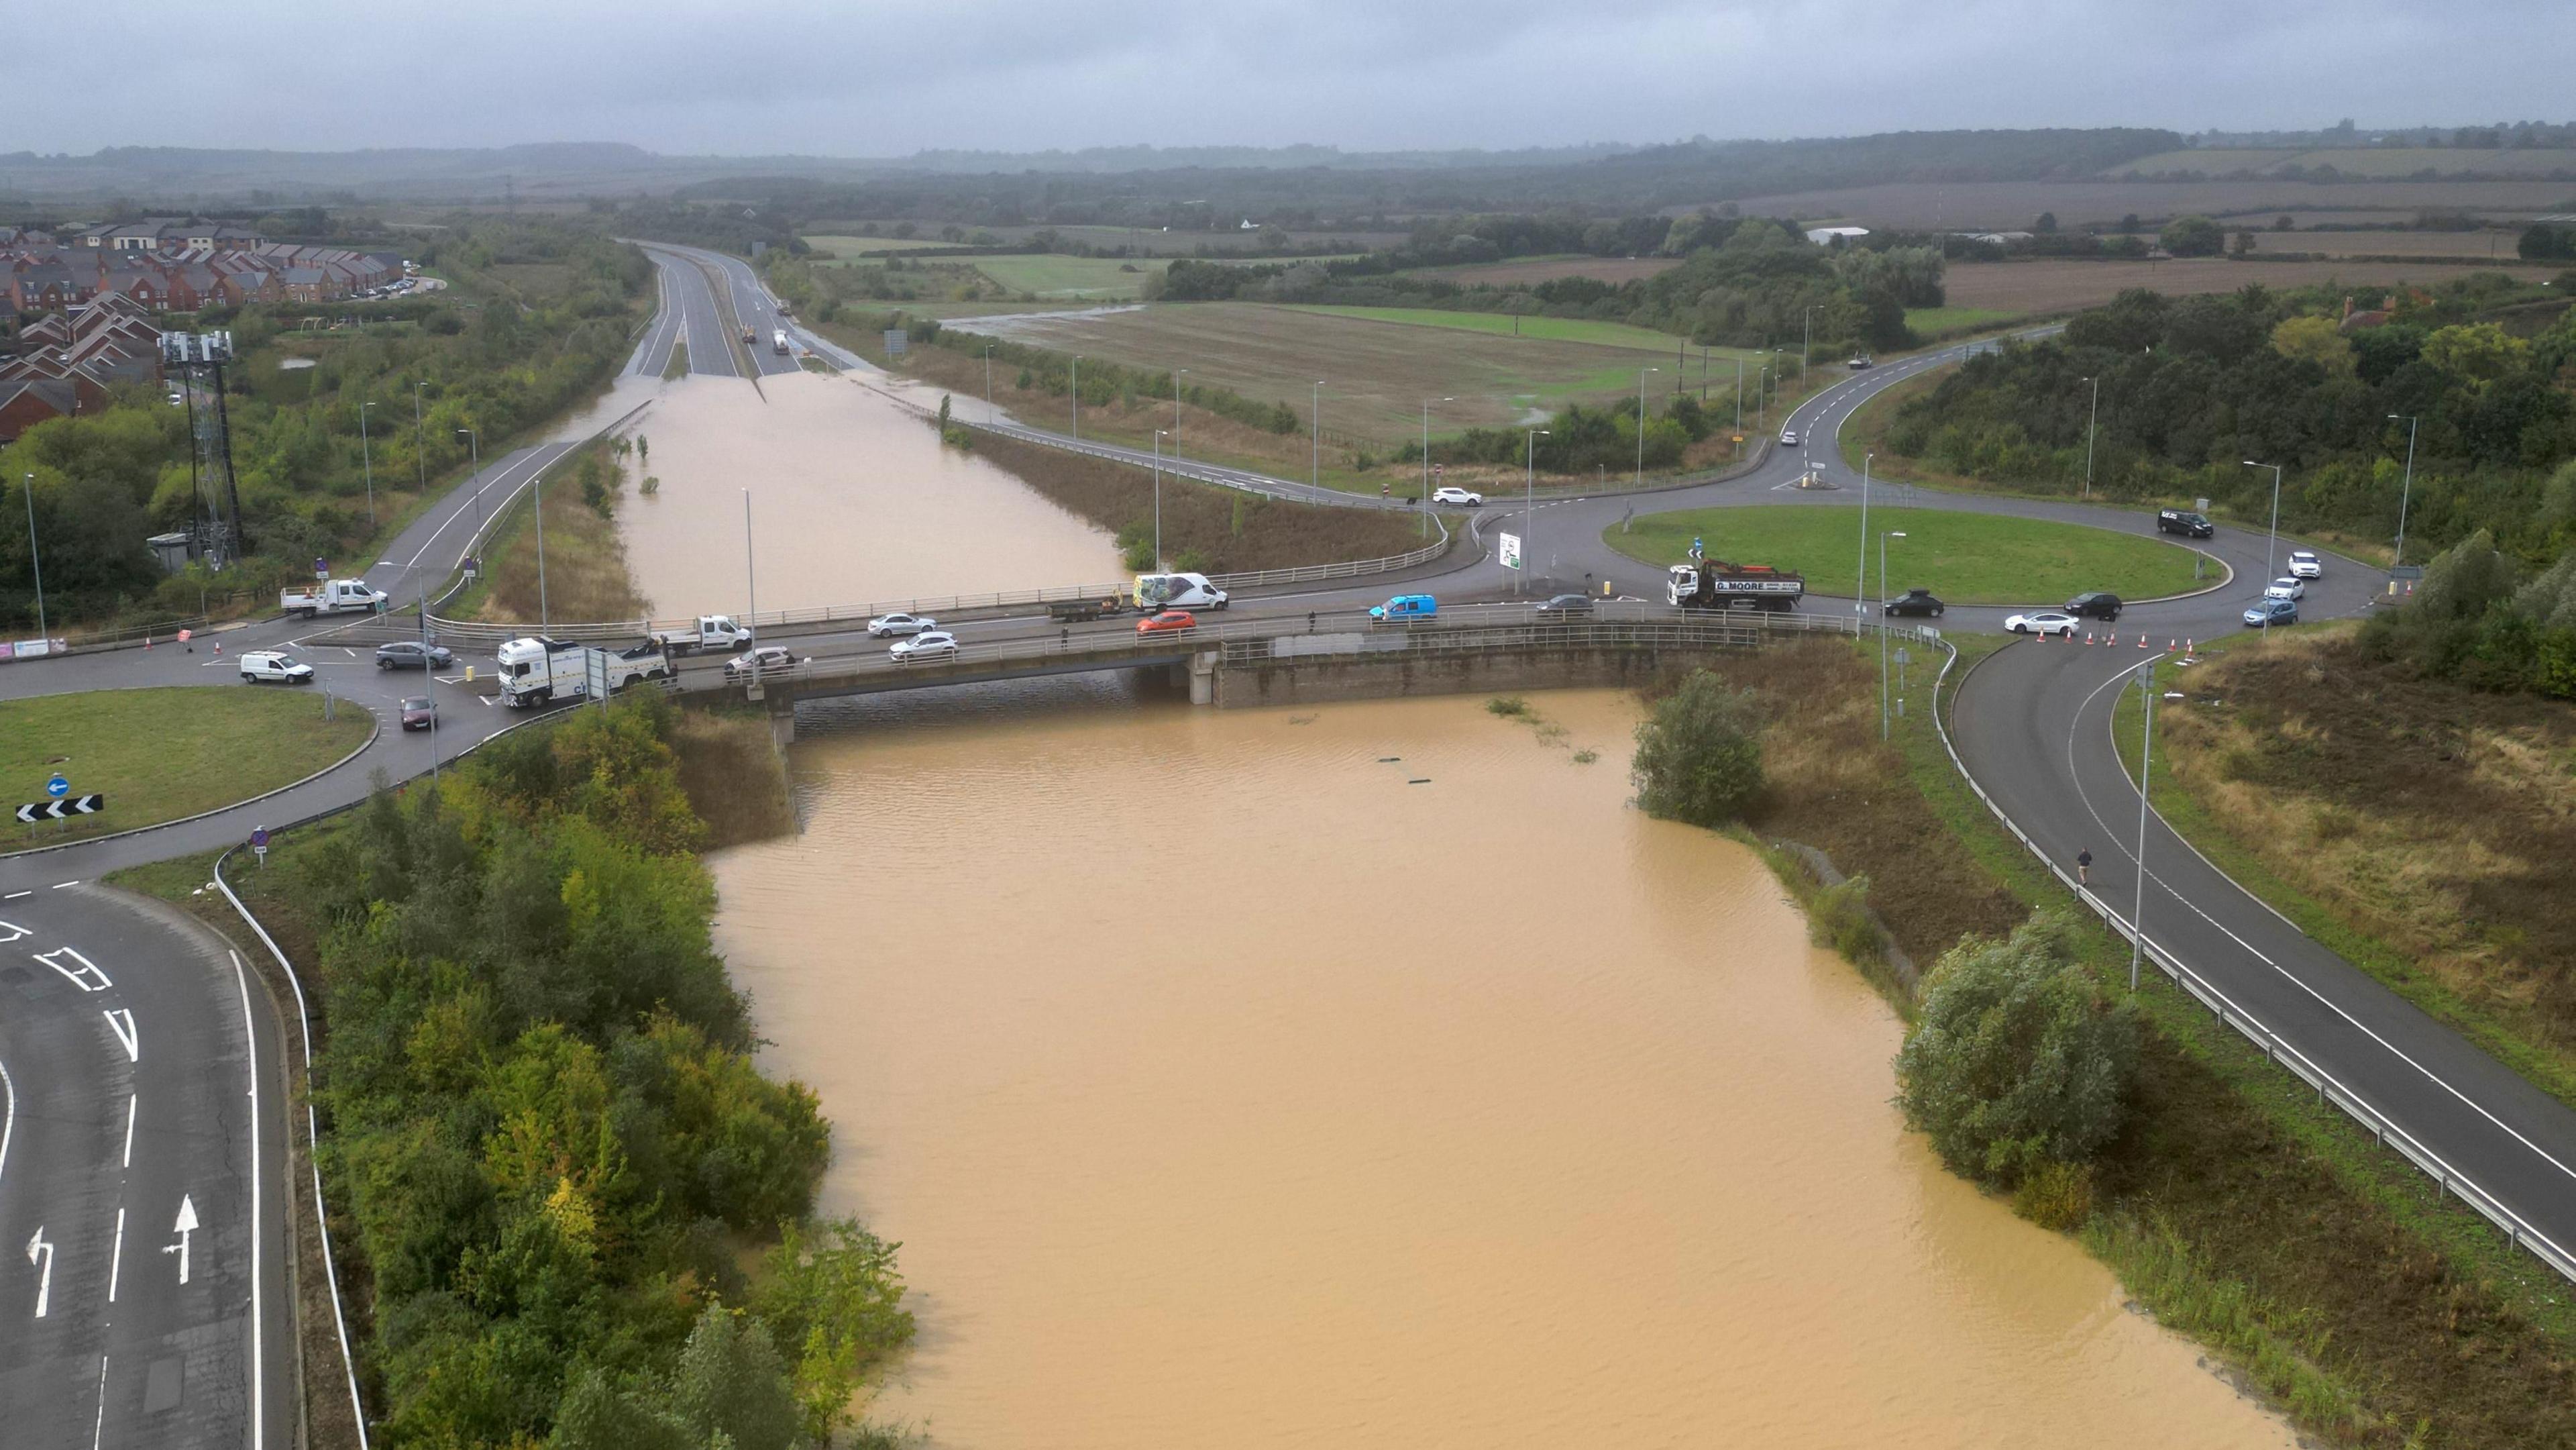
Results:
<point x="340" y="596"/>
<point x="538" y="671"/>
<point x="1177" y="591"/>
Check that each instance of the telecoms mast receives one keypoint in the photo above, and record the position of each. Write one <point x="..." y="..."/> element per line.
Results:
<point x="220" y="536"/>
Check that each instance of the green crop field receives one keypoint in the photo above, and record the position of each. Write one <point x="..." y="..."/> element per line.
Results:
<point x="161" y="754"/>
<point x="1965" y="558"/>
<point x="844" y="247"/>
<point x="1099" y="279"/>
<point x="1930" y="322"/>
<point x="1545" y="329"/>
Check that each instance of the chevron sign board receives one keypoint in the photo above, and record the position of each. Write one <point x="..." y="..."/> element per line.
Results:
<point x="79" y="805"/>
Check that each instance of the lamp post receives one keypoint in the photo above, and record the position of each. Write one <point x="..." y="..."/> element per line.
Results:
<point x="750" y="574"/>
<point x="419" y="452"/>
<point x="2090" y="421"/>
<point x="1529" y="507"/>
<point x="2146" y="751"/>
<point x="1177" y="375"/>
<point x="1860" y="588"/>
<point x="1640" y="480"/>
<point x="1806" y="335"/>
<point x="1159" y="435"/>
<point x="2407" y="493"/>
<point x="1739" y="392"/>
<point x="544" y="619"/>
<point x="366" y="460"/>
<point x="1077" y="397"/>
<point x="2270" y="565"/>
<point x="1884" y="536"/>
<point x="988" y="384"/>
<point x="1315" y="453"/>
<point x="34" y="563"/>
<point x="1425" y="509"/>
<point x="475" y="441"/>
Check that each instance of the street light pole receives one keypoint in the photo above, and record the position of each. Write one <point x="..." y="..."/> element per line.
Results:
<point x="1315" y="454"/>
<point x="544" y="618"/>
<point x="1425" y="508"/>
<point x="1177" y="375"/>
<point x="2407" y="493"/>
<point x="1158" y="489"/>
<point x="419" y="449"/>
<point x="988" y="384"/>
<point x="1077" y="397"/>
<point x="750" y="573"/>
<point x="1739" y="393"/>
<point x="2146" y="752"/>
<point x="1529" y="506"/>
<point x="2271" y="565"/>
<point x="475" y="441"/>
<point x="366" y="459"/>
<point x="2089" y="423"/>
<point x="1860" y="588"/>
<point x="34" y="563"/>
<point x="1806" y="335"/>
<point x="1883" y="537"/>
<point x="1640" y="480"/>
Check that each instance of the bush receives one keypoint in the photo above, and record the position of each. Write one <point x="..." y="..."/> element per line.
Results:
<point x="1839" y="917"/>
<point x="1699" y="756"/>
<point x="2017" y="1061"/>
<point x="2055" y="1195"/>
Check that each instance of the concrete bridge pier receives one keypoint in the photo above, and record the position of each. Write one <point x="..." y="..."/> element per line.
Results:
<point x="782" y="722"/>
<point x="1202" y="669"/>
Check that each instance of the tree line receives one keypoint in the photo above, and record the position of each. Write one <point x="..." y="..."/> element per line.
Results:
<point x="581" y="1214"/>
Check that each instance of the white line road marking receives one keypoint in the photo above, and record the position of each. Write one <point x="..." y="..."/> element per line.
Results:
<point x="129" y="1132"/>
<point x="116" y="1258"/>
<point x="15" y="931"/>
<point x="86" y="976"/>
<point x="250" y="1056"/>
<point x="98" y="1432"/>
<point x="14" y="895"/>
<point x="37" y="1247"/>
<point x="8" y="1113"/>
<point x="59" y="885"/>
<point x="120" y="1020"/>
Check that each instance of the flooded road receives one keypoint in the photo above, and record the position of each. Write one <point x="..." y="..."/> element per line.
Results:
<point x="1374" y="1076"/>
<point x="853" y="501"/>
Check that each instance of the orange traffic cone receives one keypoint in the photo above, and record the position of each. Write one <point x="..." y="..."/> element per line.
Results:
<point x="2142" y="641"/>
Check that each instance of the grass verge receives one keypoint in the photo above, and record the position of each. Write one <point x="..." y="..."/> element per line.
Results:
<point x="585" y="576"/>
<point x="1964" y="558"/>
<point x="164" y="753"/>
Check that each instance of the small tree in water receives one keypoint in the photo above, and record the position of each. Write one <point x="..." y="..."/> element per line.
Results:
<point x="1699" y="756"/>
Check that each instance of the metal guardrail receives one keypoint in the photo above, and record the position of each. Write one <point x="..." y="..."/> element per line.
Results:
<point x="2274" y="1048"/>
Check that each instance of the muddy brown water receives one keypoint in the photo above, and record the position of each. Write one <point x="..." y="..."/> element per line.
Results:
<point x="1375" y="1076"/>
<point x="853" y="501"/>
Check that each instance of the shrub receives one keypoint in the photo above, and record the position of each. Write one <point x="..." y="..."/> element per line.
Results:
<point x="1839" y="917"/>
<point x="1508" y="705"/>
<point x="2055" y="1195"/>
<point x="2017" y="1060"/>
<point x="1699" y="756"/>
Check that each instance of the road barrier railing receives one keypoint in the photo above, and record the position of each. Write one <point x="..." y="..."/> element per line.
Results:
<point x="2272" y="1045"/>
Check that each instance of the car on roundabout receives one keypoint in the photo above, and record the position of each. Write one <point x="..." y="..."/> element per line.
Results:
<point x="2099" y="604"/>
<point x="419" y="713"/>
<point x="2287" y="587"/>
<point x="1451" y="493"/>
<point x="887" y="626"/>
<point x="1788" y="437"/>
<point x="1168" y="621"/>
<point x="406" y="654"/>
<point x="1564" y="606"/>
<point x="931" y="644"/>
<point x="276" y="666"/>
<point x="2269" y="612"/>
<point x="769" y="659"/>
<point x="1918" y="602"/>
<point x="2043" y="623"/>
<point x="2305" y="564"/>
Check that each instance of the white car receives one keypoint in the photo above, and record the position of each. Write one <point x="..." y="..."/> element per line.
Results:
<point x="1788" y="437"/>
<point x="2045" y="622"/>
<point x="1455" y="494"/>
<point x="2304" y="564"/>
<point x="885" y="626"/>
<point x="276" y="666"/>
<point x="935" y="645"/>
<point x="2288" y="588"/>
<point x="769" y="659"/>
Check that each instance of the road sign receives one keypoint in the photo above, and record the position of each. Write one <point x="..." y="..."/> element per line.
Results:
<point x="58" y="787"/>
<point x="259" y="837"/>
<point x="62" y="808"/>
<point x="1439" y="469"/>
<point x="1511" y="550"/>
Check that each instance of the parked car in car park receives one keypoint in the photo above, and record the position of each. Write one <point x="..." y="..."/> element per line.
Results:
<point x="1916" y="601"/>
<point x="408" y="654"/>
<point x="2304" y="564"/>
<point x="419" y="713"/>
<point x="1168" y="621"/>
<point x="933" y="644"/>
<point x="2094" y="604"/>
<point x="2045" y="622"/>
<point x="275" y="667"/>
<point x="2268" y="612"/>
<point x="769" y="659"/>
<point x="2289" y="587"/>
<point x="1452" y="493"/>
<point x="1564" y="605"/>
<point x="887" y="626"/>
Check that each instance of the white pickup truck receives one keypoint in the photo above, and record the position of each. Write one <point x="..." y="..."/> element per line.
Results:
<point x="712" y="631"/>
<point x="340" y="596"/>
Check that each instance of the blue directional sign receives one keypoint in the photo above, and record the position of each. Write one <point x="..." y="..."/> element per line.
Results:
<point x="58" y="787"/>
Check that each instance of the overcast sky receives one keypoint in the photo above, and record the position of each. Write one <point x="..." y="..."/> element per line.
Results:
<point x="872" y="79"/>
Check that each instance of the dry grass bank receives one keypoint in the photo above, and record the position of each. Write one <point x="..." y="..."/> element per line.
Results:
<point x="585" y="561"/>
<point x="732" y="775"/>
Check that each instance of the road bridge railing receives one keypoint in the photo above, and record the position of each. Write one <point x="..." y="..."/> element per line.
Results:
<point x="2271" y="1044"/>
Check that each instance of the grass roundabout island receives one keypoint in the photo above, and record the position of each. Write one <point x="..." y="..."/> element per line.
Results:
<point x="1965" y="558"/>
<point x="164" y="753"/>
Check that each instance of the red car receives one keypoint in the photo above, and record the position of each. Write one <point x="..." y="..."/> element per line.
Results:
<point x="1167" y="621"/>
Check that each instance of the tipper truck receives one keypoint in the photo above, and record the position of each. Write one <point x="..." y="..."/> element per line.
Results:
<point x="1717" y="584"/>
<point x="778" y="341"/>
<point x="537" y="671"/>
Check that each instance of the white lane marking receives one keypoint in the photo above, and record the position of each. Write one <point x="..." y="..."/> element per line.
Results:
<point x="2285" y="973"/>
<point x="98" y="1432"/>
<point x="120" y="1020"/>
<point x="15" y="931"/>
<point x="186" y="1225"/>
<point x="37" y="1248"/>
<point x="129" y="1132"/>
<point x="86" y="976"/>
<point x="8" y="1113"/>
<point x="250" y="1043"/>
<point x="116" y="1258"/>
<point x="59" y="885"/>
<point x="14" y="895"/>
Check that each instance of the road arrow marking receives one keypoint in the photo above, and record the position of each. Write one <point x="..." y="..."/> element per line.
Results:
<point x="186" y="1225"/>
<point x="86" y="976"/>
<point x="121" y="1022"/>
<point x="39" y="1250"/>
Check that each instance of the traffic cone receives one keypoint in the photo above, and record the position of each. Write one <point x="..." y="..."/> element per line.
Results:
<point x="2169" y="646"/>
<point x="219" y="646"/>
<point x="2142" y="641"/>
<point x="2088" y="636"/>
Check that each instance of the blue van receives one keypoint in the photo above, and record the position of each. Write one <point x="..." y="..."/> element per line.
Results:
<point x="1404" y="607"/>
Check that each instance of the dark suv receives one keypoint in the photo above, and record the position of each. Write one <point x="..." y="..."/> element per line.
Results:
<point x="1916" y="601"/>
<point x="2184" y="522"/>
<point x="2094" y="604"/>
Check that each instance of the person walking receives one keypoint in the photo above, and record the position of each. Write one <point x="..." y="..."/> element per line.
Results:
<point x="2084" y="867"/>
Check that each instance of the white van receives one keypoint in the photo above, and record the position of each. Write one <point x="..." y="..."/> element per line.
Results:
<point x="1177" y="591"/>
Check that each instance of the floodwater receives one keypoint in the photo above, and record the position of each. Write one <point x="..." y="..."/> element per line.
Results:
<point x="852" y="501"/>
<point x="1373" y="1075"/>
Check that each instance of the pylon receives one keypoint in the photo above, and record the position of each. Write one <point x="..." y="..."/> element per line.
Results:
<point x="2088" y="635"/>
<point x="2142" y="641"/>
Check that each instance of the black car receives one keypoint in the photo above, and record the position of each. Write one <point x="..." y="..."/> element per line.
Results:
<point x="1566" y="604"/>
<point x="1916" y="601"/>
<point x="2184" y="522"/>
<point x="2094" y="604"/>
<point x="406" y="654"/>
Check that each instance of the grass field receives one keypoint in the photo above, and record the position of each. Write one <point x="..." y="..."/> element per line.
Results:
<point x="1495" y="324"/>
<point x="1964" y="558"/>
<point x="2389" y="163"/>
<point x="1090" y="279"/>
<point x="161" y="754"/>
<point x="1979" y="204"/>
<point x="1522" y="271"/>
<point x="2056" y="285"/>
<point x="1932" y="322"/>
<point x="2495" y="246"/>
<point x="844" y="247"/>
